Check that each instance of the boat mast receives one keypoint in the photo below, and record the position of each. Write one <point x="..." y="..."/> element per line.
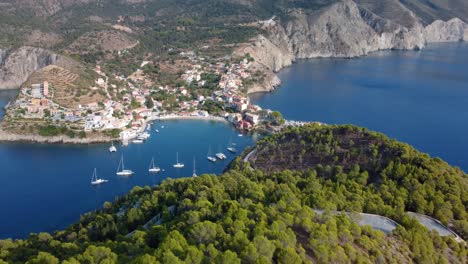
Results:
<point x="94" y="175"/>
<point x="194" y="168"/>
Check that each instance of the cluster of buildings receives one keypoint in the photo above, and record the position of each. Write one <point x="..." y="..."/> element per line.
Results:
<point x="130" y="117"/>
<point x="230" y="92"/>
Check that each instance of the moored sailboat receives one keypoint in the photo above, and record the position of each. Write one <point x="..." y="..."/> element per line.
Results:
<point x="112" y="148"/>
<point x="121" y="171"/>
<point x="95" y="180"/>
<point x="178" y="165"/>
<point x="209" y="157"/>
<point x="194" y="169"/>
<point x="153" y="168"/>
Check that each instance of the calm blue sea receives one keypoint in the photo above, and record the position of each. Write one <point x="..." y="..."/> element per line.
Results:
<point x="47" y="187"/>
<point x="419" y="97"/>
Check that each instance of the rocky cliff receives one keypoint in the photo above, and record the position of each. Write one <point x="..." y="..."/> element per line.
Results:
<point x="440" y="31"/>
<point x="6" y="136"/>
<point x="17" y="65"/>
<point x="345" y="29"/>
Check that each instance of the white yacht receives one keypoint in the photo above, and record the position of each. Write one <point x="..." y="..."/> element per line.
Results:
<point x="157" y="130"/>
<point x="137" y="141"/>
<point x="221" y="156"/>
<point x="121" y="171"/>
<point x="153" y="168"/>
<point x="95" y="180"/>
<point x="178" y="165"/>
<point x="209" y="157"/>
<point x="143" y="136"/>
<point x="112" y="148"/>
<point x="232" y="149"/>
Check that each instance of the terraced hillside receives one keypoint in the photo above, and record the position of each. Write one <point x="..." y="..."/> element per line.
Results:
<point x="69" y="89"/>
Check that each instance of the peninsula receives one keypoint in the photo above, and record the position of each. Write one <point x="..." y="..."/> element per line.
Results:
<point x="108" y="82"/>
<point x="284" y="210"/>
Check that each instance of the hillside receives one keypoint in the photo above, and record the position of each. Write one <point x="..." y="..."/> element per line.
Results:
<point x="389" y="171"/>
<point x="69" y="88"/>
<point x="252" y="216"/>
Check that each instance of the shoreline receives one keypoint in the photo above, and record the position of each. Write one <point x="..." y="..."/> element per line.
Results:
<point x="12" y="137"/>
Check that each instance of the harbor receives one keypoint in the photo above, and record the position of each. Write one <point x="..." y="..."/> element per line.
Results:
<point x="66" y="170"/>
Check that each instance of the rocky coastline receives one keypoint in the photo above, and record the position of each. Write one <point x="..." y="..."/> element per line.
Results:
<point x="6" y="136"/>
<point x="342" y="30"/>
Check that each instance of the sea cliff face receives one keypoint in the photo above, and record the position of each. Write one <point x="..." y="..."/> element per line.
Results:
<point x="344" y="29"/>
<point x="17" y="65"/>
<point x="6" y="136"/>
<point x="440" y="31"/>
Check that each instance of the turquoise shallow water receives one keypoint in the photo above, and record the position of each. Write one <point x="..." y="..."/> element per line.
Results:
<point x="419" y="97"/>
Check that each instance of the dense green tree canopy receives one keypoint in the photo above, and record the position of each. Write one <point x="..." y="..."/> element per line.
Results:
<point x="266" y="214"/>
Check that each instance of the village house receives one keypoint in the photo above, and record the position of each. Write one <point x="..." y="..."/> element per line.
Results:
<point x="252" y="118"/>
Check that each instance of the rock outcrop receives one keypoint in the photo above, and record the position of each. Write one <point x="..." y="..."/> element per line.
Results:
<point x="449" y="31"/>
<point x="345" y="29"/>
<point x="17" y="65"/>
<point x="6" y="136"/>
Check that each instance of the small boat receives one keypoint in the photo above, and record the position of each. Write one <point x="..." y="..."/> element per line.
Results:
<point x="221" y="156"/>
<point x="209" y="157"/>
<point x="144" y="136"/>
<point x="240" y="135"/>
<point x="194" y="169"/>
<point x="157" y="130"/>
<point x="95" y="180"/>
<point x="137" y="141"/>
<point x="112" y="148"/>
<point x="232" y="149"/>
<point x="153" y="168"/>
<point x="162" y="126"/>
<point x="178" y="165"/>
<point x="121" y="171"/>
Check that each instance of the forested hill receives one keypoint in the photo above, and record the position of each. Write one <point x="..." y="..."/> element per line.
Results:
<point x="373" y="173"/>
<point x="266" y="215"/>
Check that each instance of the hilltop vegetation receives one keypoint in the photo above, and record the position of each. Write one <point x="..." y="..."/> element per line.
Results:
<point x="390" y="177"/>
<point x="266" y="215"/>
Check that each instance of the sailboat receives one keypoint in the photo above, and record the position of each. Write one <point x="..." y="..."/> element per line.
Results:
<point x="178" y="165"/>
<point x="153" y="168"/>
<point x="194" y="169"/>
<point x="123" y="171"/>
<point x="95" y="180"/>
<point x="112" y="148"/>
<point x="231" y="148"/>
<point x="209" y="157"/>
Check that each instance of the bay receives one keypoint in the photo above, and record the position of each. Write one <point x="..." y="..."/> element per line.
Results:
<point x="44" y="187"/>
<point x="418" y="97"/>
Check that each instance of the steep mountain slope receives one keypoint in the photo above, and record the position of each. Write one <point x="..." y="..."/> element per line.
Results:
<point x="429" y="11"/>
<point x="91" y="30"/>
